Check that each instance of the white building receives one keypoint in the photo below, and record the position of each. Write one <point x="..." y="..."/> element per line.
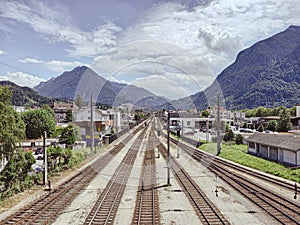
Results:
<point x="102" y="121"/>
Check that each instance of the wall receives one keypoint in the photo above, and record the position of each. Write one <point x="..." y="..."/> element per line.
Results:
<point x="289" y="157"/>
<point x="251" y="148"/>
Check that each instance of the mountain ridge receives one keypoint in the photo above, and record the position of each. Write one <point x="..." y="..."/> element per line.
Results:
<point x="265" y="74"/>
<point x="26" y="96"/>
<point x="85" y="82"/>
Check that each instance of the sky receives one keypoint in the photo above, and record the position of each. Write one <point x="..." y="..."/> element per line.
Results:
<point x="172" y="48"/>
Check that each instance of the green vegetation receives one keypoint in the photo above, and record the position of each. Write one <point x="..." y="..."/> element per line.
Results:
<point x="284" y="123"/>
<point x="261" y="128"/>
<point x="61" y="159"/>
<point x="14" y="177"/>
<point x="229" y="136"/>
<point x="12" y="128"/>
<point x="238" y="154"/>
<point x="37" y="121"/>
<point x="69" y="135"/>
<point x="239" y="139"/>
<point x="79" y="101"/>
<point x="25" y="96"/>
<point x="18" y="174"/>
<point x="272" y="125"/>
<point x="69" y="116"/>
<point x="264" y="112"/>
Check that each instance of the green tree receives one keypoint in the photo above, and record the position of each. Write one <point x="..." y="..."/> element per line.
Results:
<point x="16" y="170"/>
<point x="261" y="128"/>
<point x="229" y="136"/>
<point x="54" y="156"/>
<point x="293" y="111"/>
<point x="239" y="139"/>
<point x="47" y="107"/>
<point x="272" y="125"/>
<point x="284" y="123"/>
<point x="67" y="155"/>
<point x="12" y="128"/>
<point x="227" y="127"/>
<point x="69" y="116"/>
<point x="205" y="113"/>
<point x="69" y="135"/>
<point x="37" y="121"/>
<point x="262" y="112"/>
<point x="79" y="102"/>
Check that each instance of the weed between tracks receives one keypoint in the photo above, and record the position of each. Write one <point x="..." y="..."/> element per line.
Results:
<point x="238" y="154"/>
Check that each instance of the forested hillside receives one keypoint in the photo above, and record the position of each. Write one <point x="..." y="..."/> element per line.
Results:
<point x="25" y="96"/>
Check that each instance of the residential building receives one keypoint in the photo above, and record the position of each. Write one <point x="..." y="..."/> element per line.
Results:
<point x="102" y="121"/>
<point x="188" y="120"/>
<point x="61" y="108"/>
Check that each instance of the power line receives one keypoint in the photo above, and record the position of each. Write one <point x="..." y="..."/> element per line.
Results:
<point x="18" y="69"/>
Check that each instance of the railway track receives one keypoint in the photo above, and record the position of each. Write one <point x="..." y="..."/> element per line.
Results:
<point x="280" y="208"/>
<point x="106" y="206"/>
<point x="241" y="169"/>
<point x="147" y="207"/>
<point x="206" y="211"/>
<point x="46" y="208"/>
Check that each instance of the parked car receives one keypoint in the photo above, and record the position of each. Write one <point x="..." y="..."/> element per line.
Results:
<point x="37" y="168"/>
<point x="39" y="151"/>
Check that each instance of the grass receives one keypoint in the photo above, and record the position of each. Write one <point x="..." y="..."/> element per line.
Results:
<point x="238" y="154"/>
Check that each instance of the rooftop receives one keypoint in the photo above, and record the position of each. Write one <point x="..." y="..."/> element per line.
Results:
<point x="276" y="140"/>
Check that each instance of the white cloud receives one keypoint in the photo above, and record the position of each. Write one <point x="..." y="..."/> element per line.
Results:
<point x="22" y="79"/>
<point x="52" y="25"/>
<point x="137" y="61"/>
<point x="31" y="60"/>
<point x="54" y="65"/>
<point x="168" y="41"/>
<point x="200" y="43"/>
<point x="2" y="52"/>
<point x="158" y="84"/>
<point x="216" y="32"/>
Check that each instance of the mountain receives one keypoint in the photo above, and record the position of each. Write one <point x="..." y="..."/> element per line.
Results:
<point x="83" y="81"/>
<point x="265" y="74"/>
<point x="25" y="96"/>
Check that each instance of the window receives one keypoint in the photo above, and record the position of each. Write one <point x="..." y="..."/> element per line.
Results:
<point x="251" y="145"/>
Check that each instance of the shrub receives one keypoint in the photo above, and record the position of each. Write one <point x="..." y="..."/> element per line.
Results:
<point x="239" y="139"/>
<point x="229" y="136"/>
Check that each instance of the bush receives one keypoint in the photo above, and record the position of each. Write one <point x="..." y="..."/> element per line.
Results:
<point x="239" y="139"/>
<point x="229" y="136"/>
<point x="261" y="128"/>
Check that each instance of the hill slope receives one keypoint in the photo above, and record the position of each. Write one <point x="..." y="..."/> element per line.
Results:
<point x="25" y="96"/>
<point x="266" y="74"/>
<point x="83" y="81"/>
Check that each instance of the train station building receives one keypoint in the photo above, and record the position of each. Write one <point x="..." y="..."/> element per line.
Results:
<point x="280" y="148"/>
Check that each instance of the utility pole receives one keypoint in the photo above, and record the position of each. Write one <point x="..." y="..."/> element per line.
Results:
<point x="92" y="125"/>
<point x="207" y="130"/>
<point x="218" y="127"/>
<point x="45" y="159"/>
<point x="168" y="158"/>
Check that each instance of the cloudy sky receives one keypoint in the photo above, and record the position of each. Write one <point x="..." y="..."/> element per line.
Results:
<point x="172" y="48"/>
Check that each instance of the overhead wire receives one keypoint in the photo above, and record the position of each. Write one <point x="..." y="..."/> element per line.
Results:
<point x="18" y="69"/>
